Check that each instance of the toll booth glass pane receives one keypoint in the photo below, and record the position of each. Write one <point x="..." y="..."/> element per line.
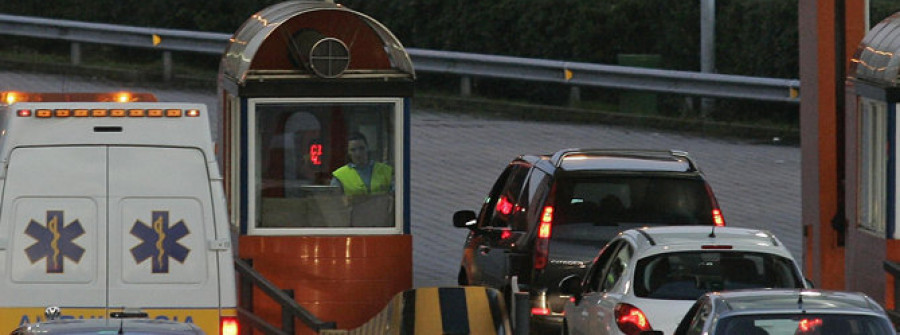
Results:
<point x="325" y="167"/>
<point x="872" y="166"/>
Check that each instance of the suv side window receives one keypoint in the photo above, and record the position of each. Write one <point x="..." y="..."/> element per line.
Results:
<point x="502" y="203"/>
<point x="533" y="195"/>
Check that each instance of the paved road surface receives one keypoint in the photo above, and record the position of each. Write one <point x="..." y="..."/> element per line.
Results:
<point x="456" y="158"/>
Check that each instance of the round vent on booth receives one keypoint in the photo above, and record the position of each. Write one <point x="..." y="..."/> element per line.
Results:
<point x="326" y="57"/>
<point x="329" y="57"/>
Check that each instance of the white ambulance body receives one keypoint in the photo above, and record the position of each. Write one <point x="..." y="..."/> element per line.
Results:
<point x="108" y="205"/>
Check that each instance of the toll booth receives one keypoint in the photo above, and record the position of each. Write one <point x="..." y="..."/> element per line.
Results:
<point x="313" y="94"/>
<point x="873" y="103"/>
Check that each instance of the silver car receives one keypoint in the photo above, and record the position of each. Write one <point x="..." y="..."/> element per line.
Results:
<point x="127" y="322"/>
<point x="790" y="312"/>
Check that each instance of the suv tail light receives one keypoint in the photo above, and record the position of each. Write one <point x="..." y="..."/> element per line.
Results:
<point x="542" y="244"/>
<point x="631" y="320"/>
<point x="228" y="325"/>
<point x="718" y="219"/>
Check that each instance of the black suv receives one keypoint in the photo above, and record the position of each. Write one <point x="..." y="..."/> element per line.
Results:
<point x="548" y="215"/>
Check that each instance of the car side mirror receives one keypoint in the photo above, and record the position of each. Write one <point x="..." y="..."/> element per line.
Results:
<point x="571" y="285"/>
<point x="464" y="219"/>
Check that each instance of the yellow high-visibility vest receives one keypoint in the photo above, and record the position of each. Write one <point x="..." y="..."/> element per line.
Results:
<point x="382" y="174"/>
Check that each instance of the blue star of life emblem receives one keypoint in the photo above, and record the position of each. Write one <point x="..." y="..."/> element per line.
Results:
<point x="159" y="241"/>
<point x="54" y="241"/>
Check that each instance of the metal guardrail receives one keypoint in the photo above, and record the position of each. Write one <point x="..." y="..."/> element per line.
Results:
<point x="466" y="65"/>
<point x="894" y="270"/>
<point x="290" y="309"/>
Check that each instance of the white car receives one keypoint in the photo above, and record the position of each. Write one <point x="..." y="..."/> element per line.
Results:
<point x="647" y="278"/>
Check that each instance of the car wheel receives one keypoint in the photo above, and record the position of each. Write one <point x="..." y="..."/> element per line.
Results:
<point x="461" y="278"/>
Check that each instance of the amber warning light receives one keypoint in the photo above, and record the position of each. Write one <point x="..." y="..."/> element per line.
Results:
<point x="10" y="97"/>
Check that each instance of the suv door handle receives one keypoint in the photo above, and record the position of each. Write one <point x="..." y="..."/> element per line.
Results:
<point x="483" y="249"/>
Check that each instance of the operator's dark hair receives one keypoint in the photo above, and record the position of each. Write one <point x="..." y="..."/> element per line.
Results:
<point x="357" y="136"/>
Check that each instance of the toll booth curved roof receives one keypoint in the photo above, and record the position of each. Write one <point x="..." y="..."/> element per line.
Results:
<point x="877" y="59"/>
<point x="266" y="44"/>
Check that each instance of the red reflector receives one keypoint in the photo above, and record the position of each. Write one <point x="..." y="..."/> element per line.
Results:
<point x="540" y="311"/>
<point x="228" y="325"/>
<point x="716" y="247"/>
<point x="23" y="112"/>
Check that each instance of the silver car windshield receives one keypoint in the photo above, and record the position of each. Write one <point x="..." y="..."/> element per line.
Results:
<point x="688" y="275"/>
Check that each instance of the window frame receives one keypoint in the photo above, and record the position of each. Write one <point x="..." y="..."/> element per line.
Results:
<point x="252" y="156"/>
<point x="872" y="188"/>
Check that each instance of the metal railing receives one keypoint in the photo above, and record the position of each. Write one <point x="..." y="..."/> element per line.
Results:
<point x="466" y="65"/>
<point x="894" y="270"/>
<point x="290" y="309"/>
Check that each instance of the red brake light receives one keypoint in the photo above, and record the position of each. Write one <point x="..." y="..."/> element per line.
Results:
<point x="24" y="112"/>
<point x="228" y="325"/>
<point x="540" y="311"/>
<point x="631" y="320"/>
<point x="808" y="325"/>
<point x="542" y="243"/>
<point x="718" y="219"/>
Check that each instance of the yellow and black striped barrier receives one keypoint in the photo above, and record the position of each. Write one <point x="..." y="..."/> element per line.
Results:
<point x="439" y="310"/>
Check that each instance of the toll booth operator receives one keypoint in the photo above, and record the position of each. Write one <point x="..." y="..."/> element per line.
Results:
<point x="362" y="176"/>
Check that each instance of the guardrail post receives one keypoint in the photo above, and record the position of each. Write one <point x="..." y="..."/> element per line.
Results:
<point x="287" y="319"/>
<point x="465" y="86"/>
<point x="75" y="53"/>
<point x="522" y="311"/>
<point x="167" y="65"/>
<point x="574" y="95"/>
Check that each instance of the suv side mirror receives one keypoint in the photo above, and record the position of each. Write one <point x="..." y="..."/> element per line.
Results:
<point x="571" y="285"/>
<point x="464" y="219"/>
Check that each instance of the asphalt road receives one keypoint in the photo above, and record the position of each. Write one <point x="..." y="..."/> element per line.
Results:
<point x="456" y="158"/>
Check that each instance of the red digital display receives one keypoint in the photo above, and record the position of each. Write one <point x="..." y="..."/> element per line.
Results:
<point x="315" y="153"/>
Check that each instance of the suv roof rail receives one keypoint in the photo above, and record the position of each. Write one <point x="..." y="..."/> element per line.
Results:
<point x="557" y="157"/>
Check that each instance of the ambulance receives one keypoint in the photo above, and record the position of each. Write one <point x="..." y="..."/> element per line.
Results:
<point x="108" y="202"/>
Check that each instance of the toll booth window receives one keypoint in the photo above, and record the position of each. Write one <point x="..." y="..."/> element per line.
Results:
<point x="325" y="166"/>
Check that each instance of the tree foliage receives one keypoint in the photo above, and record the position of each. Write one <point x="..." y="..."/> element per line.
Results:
<point x="752" y="37"/>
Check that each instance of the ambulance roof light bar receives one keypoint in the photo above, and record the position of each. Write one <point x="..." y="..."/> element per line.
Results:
<point x="10" y="97"/>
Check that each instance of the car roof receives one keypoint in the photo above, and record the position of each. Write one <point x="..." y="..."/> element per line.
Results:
<point x="783" y="301"/>
<point x="104" y="326"/>
<point x="578" y="159"/>
<point x="683" y="238"/>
